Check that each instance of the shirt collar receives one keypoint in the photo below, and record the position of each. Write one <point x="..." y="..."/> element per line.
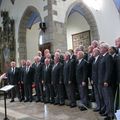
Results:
<point x="80" y="60"/>
<point x="104" y="54"/>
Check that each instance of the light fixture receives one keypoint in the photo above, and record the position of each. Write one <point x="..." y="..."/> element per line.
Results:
<point x="42" y="26"/>
<point x="95" y="4"/>
<point x="40" y="39"/>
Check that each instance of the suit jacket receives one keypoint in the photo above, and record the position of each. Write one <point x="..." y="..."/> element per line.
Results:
<point x="72" y="69"/>
<point x="105" y="69"/>
<point x="66" y="72"/>
<point x="95" y="70"/>
<point x="21" y="73"/>
<point x="47" y="74"/>
<point x="90" y="61"/>
<point x="81" y="72"/>
<point x="118" y="67"/>
<point x="13" y="77"/>
<point x="114" y="73"/>
<point x="42" y="59"/>
<point x="57" y="74"/>
<point x="28" y="76"/>
<point x="38" y="73"/>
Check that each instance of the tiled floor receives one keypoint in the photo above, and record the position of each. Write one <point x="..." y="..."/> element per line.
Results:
<point x="41" y="111"/>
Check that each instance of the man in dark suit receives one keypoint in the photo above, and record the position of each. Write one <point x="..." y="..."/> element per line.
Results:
<point x="13" y="79"/>
<point x="57" y="80"/>
<point x="21" y="76"/>
<point x="90" y="60"/>
<point x="72" y="66"/>
<point x="38" y="80"/>
<point x="113" y="53"/>
<point x="82" y="81"/>
<point x="39" y="53"/>
<point x="73" y="62"/>
<point x="68" y="79"/>
<point x="105" y="72"/>
<point x="35" y="62"/>
<point x="28" y="80"/>
<point x="94" y="79"/>
<point x="49" y="94"/>
<point x="117" y="43"/>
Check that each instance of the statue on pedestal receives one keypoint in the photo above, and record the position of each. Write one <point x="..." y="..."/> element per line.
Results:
<point x="6" y="54"/>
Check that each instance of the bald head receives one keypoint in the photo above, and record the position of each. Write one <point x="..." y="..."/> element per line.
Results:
<point x="57" y="57"/>
<point x="46" y="51"/>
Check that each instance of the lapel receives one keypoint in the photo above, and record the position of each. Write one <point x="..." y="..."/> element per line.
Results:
<point x="55" y="66"/>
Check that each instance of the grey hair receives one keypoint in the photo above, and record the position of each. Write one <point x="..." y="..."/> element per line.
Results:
<point x="67" y="53"/>
<point x="105" y="45"/>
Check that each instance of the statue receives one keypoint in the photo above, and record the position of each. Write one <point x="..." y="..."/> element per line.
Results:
<point x="6" y="54"/>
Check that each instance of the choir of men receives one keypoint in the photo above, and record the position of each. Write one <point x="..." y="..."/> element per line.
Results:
<point x="58" y="77"/>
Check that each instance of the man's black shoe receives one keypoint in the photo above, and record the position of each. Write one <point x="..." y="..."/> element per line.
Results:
<point x="101" y="112"/>
<point x="37" y="100"/>
<point x="26" y="100"/>
<point x="109" y="118"/>
<point x="104" y="114"/>
<point x="72" y="105"/>
<point x="96" y="110"/>
<point x="12" y="100"/>
<point x="62" y="104"/>
<point x="56" y="103"/>
<point x="83" y="108"/>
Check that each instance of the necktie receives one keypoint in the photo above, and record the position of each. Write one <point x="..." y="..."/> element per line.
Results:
<point x="27" y="69"/>
<point x="13" y="70"/>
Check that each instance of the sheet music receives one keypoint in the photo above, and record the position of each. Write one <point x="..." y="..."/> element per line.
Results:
<point x="117" y="114"/>
<point x="6" y="88"/>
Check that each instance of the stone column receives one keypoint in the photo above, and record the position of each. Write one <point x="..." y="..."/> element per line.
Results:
<point x="56" y="31"/>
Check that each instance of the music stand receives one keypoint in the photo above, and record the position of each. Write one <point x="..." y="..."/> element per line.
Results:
<point x="5" y="89"/>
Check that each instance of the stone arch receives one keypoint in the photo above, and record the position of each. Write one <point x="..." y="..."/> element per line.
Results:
<point x="22" y="31"/>
<point x="87" y="14"/>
